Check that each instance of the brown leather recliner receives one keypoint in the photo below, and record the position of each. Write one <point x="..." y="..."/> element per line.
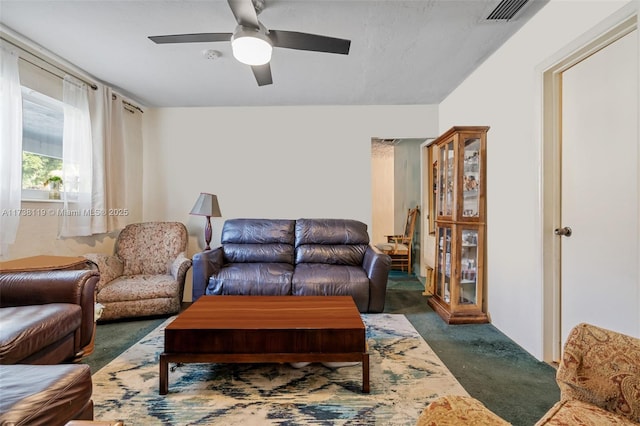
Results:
<point x="46" y="318"/>
<point x="45" y="394"/>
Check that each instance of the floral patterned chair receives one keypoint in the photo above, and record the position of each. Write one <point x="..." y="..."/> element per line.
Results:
<point x="146" y="274"/>
<point x="599" y="380"/>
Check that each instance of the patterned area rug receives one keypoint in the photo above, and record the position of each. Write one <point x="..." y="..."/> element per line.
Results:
<point x="405" y="376"/>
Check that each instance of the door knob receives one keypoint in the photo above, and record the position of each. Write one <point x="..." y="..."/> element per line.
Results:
<point x="563" y="232"/>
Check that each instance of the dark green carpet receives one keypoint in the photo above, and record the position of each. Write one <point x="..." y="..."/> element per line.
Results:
<point x="491" y="367"/>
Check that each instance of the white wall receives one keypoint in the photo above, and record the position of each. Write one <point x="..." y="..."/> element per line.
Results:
<point x="38" y="234"/>
<point x="505" y="93"/>
<point x="272" y="162"/>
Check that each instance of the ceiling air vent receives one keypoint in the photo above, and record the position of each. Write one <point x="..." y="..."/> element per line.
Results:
<point x="506" y="10"/>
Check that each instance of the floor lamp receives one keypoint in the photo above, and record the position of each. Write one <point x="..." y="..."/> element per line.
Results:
<point x="207" y="205"/>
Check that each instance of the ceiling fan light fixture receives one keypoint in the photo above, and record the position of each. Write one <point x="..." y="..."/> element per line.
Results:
<point x="251" y="47"/>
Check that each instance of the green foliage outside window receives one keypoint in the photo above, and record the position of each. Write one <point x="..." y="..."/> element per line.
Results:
<point x="37" y="169"/>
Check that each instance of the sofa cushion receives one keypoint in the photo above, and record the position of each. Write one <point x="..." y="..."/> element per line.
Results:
<point x="252" y="253"/>
<point x="258" y="240"/>
<point x="321" y="279"/>
<point x="333" y="241"/>
<point x="268" y="279"/>
<point x="258" y="231"/>
<point x="43" y="394"/>
<point x="331" y="231"/>
<point x="575" y="412"/>
<point x="331" y="254"/>
<point x="25" y="330"/>
<point x="139" y="287"/>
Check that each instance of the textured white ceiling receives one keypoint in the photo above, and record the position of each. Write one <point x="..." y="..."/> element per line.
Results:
<point x="402" y="51"/>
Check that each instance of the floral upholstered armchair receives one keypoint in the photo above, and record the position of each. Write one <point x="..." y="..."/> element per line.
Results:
<point x="146" y="274"/>
<point x="599" y="380"/>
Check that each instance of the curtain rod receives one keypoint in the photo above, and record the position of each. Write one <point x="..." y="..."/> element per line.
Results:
<point x="88" y="83"/>
<point x="129" y="104"/>
<point x="136" y="107"/>
<point x="93" y="86"/>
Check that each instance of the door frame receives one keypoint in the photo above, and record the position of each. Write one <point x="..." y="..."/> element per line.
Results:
<point x="612" y="29"/>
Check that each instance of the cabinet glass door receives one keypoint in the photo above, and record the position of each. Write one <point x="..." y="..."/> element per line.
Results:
<point x="443" y="277"/>
<point x="468" y="267"/>
<point x="446" y="168"/>
<point x="471" y="178"/>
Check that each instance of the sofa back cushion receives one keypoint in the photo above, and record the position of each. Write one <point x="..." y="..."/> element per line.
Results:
<point x="258" y="240"/>
<point x="601" y="367"/>
<point x="331" y="241"/>
<point x="150" y="247"/>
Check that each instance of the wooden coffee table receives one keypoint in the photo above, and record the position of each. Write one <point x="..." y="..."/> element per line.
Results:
<point x="257" y="329"/>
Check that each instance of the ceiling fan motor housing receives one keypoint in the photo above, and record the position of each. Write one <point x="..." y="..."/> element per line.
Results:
<point x="251" y="46"/>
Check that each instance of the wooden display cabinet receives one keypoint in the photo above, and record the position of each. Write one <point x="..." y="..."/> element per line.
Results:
<point x="460" y="225"/>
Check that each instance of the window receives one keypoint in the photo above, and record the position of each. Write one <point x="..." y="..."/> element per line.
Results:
<point x="42" y="130"/>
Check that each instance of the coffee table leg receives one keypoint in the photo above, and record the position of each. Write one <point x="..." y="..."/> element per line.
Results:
<point x="365" y="373"/>
<point x="164" y="375"/>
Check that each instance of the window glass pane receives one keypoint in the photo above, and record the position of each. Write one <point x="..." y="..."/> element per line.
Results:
<point x="42" y="127"/>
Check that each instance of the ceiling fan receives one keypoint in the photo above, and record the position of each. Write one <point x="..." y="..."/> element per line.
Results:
<point x="252" y="42"/>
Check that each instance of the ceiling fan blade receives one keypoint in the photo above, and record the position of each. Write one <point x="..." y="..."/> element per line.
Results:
<point x="191" y="38"/>
<point x="245" y="13"/>
<point x="313" y="42"/>
<point x="262" y="74"/>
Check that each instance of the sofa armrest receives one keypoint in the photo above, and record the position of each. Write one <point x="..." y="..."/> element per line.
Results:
<point x="180" y="266"/>
<point x="67" y="286"/>
<point x="179" y="269"/>
<point x="377" y="266"/>
<point x="110" y="267"/>
<point x="205" y="264"/>
<point x="601" y="367"/>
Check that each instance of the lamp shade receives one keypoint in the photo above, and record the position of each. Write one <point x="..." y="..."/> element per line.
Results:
<point x="206" y="205"/>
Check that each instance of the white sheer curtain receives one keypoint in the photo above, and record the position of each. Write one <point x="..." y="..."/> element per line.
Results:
<point x="10" y="148"/>
<point x="101" y="203"/>
<point x="80" y="203"/>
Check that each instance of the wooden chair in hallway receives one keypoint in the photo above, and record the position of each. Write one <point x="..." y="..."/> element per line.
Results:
<point x="400" y="247"/>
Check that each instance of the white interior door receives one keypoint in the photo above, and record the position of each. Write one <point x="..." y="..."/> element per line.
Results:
<point x="599" y="261"/>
